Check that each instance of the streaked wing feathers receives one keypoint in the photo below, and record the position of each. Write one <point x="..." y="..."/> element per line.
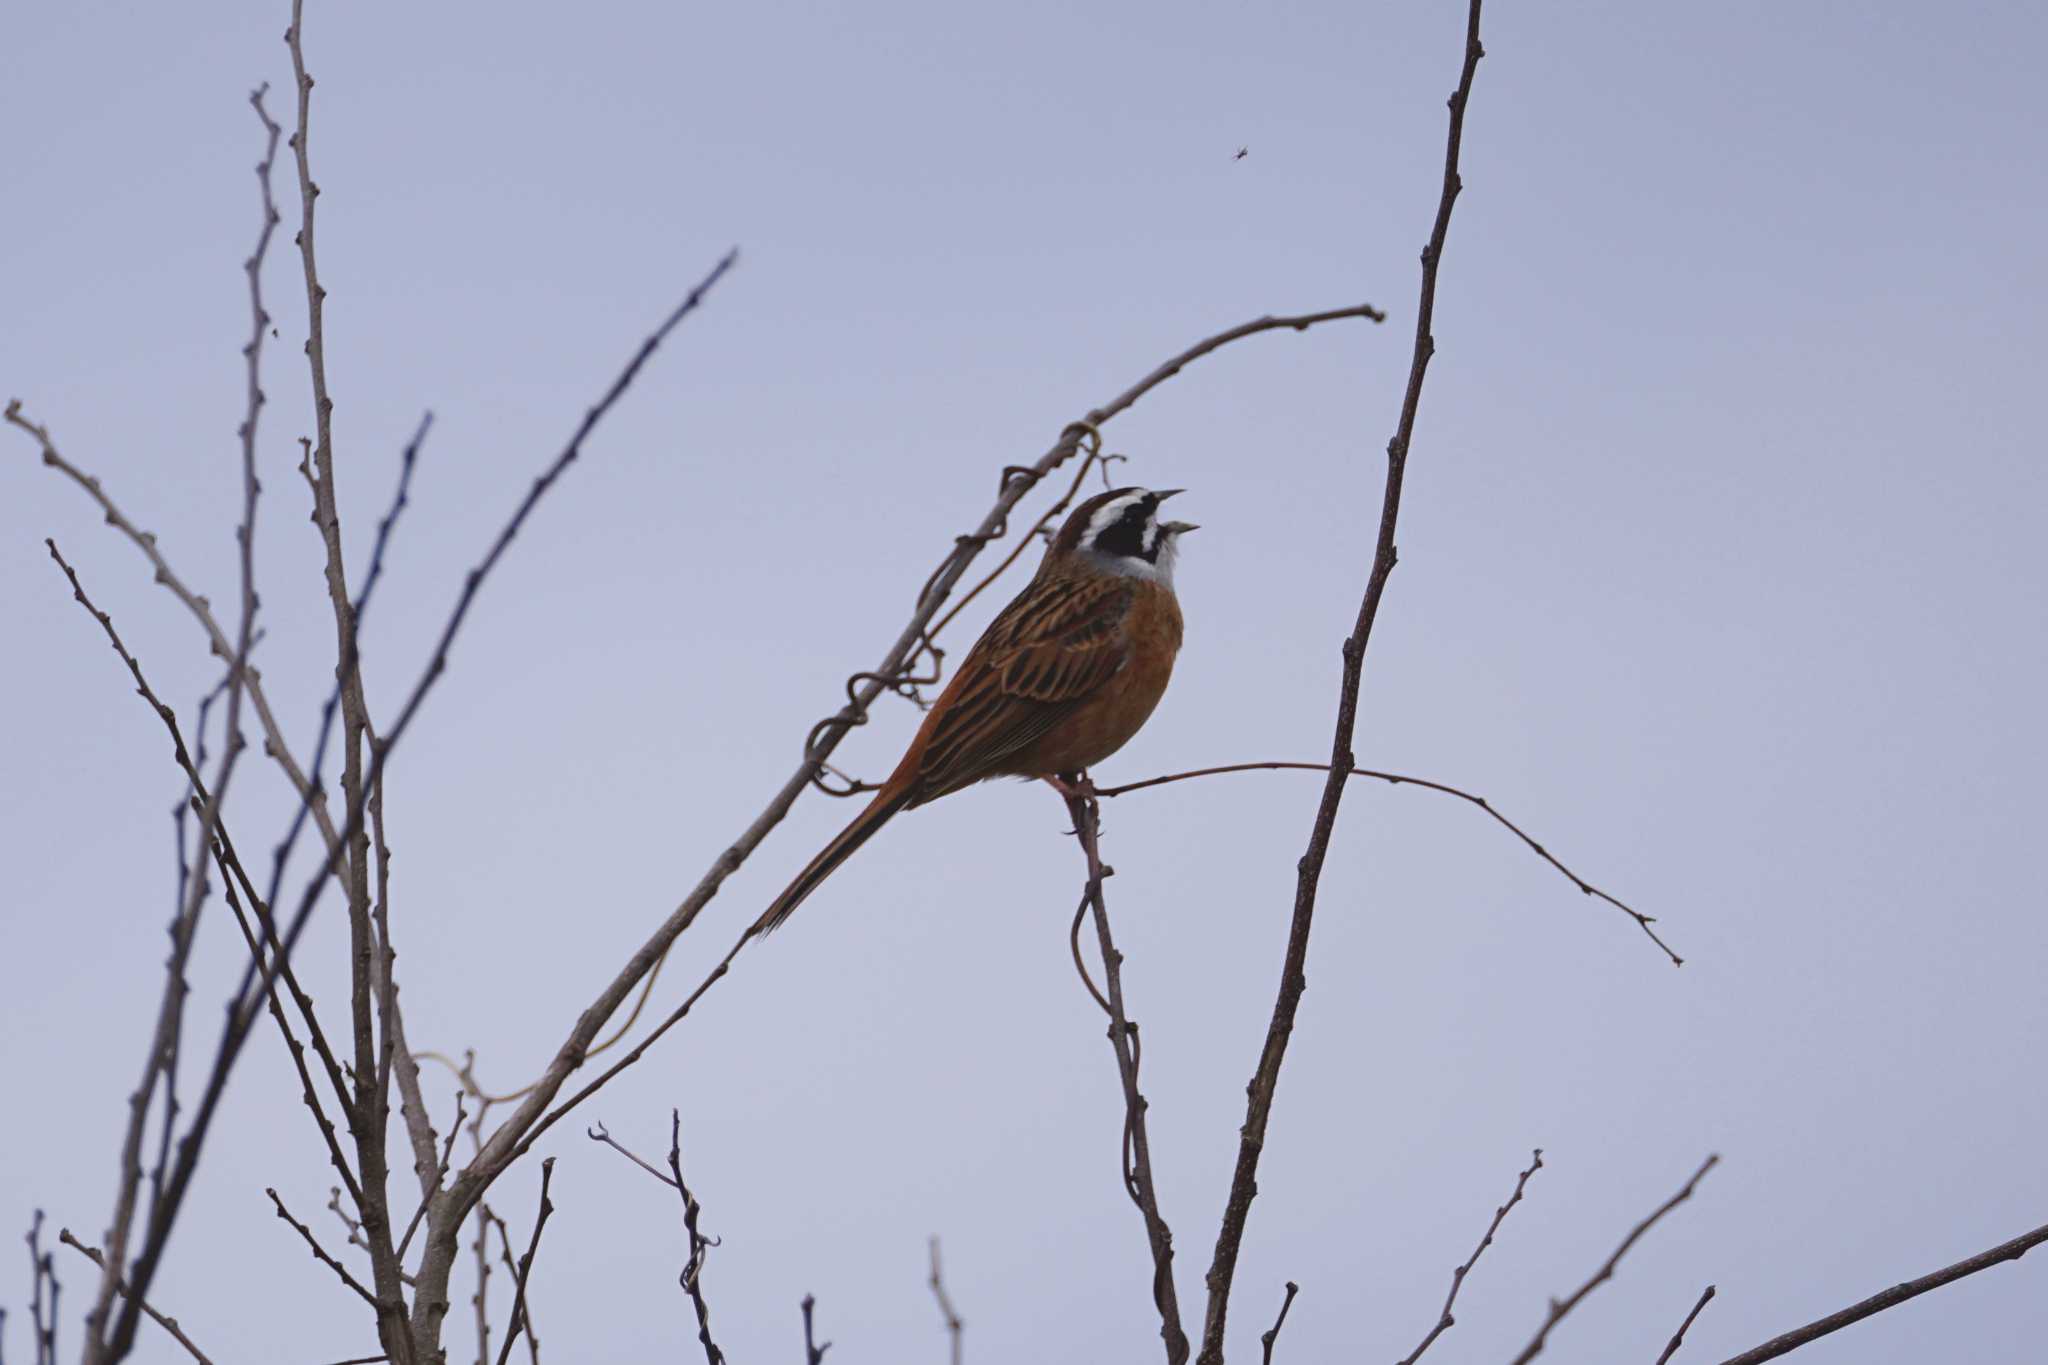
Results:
<point x="1048" y="650"/>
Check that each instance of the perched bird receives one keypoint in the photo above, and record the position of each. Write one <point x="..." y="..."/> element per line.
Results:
<point x="1060" y="680"/>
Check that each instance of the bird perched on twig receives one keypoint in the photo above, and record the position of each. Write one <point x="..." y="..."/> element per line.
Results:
<point x="1060" y="680"/>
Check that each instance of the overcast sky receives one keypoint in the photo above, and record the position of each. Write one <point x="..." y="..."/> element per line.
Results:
<point x="1721" y="570"/>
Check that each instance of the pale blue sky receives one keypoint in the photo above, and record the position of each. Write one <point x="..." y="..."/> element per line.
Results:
<point x="1721" y="569"/>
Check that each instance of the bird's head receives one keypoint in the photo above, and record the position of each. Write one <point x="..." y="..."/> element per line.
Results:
<point x="1120" y="532"/>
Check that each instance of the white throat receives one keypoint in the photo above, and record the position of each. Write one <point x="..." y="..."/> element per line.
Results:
<point x="1160" y="572"/>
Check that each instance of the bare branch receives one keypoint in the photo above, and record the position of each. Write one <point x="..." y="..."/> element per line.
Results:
<point x="349" y="1222"/>
<point x="481" y="1300"/>
<point x="1272" y="1334"/>
<point x="955" y="1325"/>
<point x="1293" y="980"/>
<point x="231" y="873"/>
<point x="511" y="1265"/>
<point x="1123" y="1038"/>
<point x="814" y="1350"/>
<point x="440" y="1171"/>
<point x="201" y="609"/>
<point x="1402" y="779"/>
<point x="370" y="986"/>
<point x="348" y="672"/>
<point x="168" y="1324"/>
<point x="1678" y="1337"/>
<point x="518" y="1322"/>
<point x="395" y="1057"/>
<point x="1891" y="1298"/>
<point x="692" y="1278"/>
<point x="103" y="1347"/>
<point x="47" y="1290"/>
<point x="1445" y="1321"/>
<point x="599" y="1133"/>
<point x="639" y="1050"/>
<point x="320" y="1253"/>
<point x="1559" y="1308"/>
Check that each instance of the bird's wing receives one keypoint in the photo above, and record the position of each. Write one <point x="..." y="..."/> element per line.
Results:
<point x="1048" y="651"/>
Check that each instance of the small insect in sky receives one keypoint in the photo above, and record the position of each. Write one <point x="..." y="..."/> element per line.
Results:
<point x="1242" y="153"/>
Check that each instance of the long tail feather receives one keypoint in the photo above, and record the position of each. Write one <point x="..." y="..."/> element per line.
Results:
<point x="877" y="814"/>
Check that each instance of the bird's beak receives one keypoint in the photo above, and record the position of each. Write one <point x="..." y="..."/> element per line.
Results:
<point x="1178" y="528"/>
<point x="1162" y="494"/>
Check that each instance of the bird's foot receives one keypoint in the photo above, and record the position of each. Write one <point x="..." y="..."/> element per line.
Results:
<point x="1071" y="786"/>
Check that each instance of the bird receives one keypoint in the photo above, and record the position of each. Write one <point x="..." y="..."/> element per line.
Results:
<point x="1062" y="678"/>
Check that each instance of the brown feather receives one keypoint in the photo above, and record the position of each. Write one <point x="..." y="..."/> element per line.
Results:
<point x="1048" y="650"/>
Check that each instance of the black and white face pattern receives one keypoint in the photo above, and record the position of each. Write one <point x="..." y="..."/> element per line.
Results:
<point x="1126" y="536"/>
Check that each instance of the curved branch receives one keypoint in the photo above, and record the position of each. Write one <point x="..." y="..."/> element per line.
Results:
<point x="1123" y="1038"/>
<point x="1642" y="920"/>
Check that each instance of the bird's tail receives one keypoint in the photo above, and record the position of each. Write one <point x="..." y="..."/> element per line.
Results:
<point x="864" y="825"/>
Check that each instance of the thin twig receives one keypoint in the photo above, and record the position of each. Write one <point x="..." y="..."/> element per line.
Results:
<point x="1404" y="780"/>
<point x="168" y="1324"/>
<point x="1272" y="1334"/>
<point x="349" y="1222"/>
<point x="234" y="874"/>
<point x="599" y="1133"/>
<point x="222" y="849"/>
<point x="201" y="609"/>
<point x="1678" y="1337"/>
<point x="692" y="1278"/>
<point x="511" y="1264"/>
<point x="639" y="1050"/>
<point x="472" y="583"/>
<point x="440" y="1170"/>
<point x="1891" y="1298"/>
<point x="320" y="1253"/>
<point x="104" y="1346"/>
<point x="518" y="1322"/>
<point x="955" y="1324"/>
<point x="1445" y="1321"/>
<point x="242" y="1013"/>
<point x="349" y="670"/>
<point x="814" y="1350"/>
<point x="1559" y="1308"/>
<point x="366" y="1004"/>
<point x="1293" y="979"/>
<point x="47" y="1290"/>
<point x="397" y="1054"/>
<point x="480" y="1301"/>
<point x="1123" y="1038"/>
